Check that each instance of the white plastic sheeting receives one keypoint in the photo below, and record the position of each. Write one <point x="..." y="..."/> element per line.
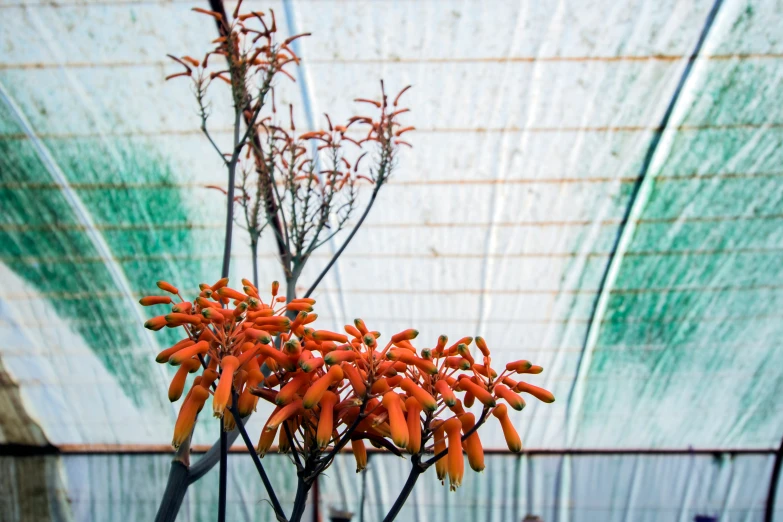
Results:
<point x="535" y="121"/>
<point x="600" y="489"/>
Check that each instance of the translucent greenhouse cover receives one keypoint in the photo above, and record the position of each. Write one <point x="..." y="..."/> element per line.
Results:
<point x="594" y="186"/>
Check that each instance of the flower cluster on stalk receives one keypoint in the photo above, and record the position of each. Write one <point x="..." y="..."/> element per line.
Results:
<point x="331" y="389"/>
<point x="303" y="184"/>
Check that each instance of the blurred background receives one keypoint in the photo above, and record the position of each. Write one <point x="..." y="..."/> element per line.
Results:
<point x="596" y="186"/>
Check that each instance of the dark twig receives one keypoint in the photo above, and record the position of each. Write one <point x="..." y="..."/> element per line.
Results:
<point x="279" y="513"/>
<point x="345" y="243"/>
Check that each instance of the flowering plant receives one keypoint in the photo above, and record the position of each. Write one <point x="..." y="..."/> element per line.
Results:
<point x="331" y="389"/>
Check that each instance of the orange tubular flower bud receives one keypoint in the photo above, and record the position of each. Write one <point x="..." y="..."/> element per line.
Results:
<point x="277" y="356"/>
<point x="182" y="308"/>
<point x="240" y="309"/>
<point x="534" y="369"/>
<point x="300" y="319"/>
<point x="480" y="393"/>
<point x="246" y="403"/>
<point x="208" y="377"/>
<point x="266" y="439"/>
<point x="200" y="348"/>
<point x="472" y="444"/>
<point x="154" y="299"/>
<point x="276" y="321"/>
<point x="166" y="287"/>
<point x="539" y="393"/>
<point x="287" y="392"/>
<point x="442" y="340"/>
<point x="229" y="365"/>
<point x="312" y="364"/>
<point x="464" y="351"/>
<point x="457" y="363"/>
<point x="405" y="335"/>
<point x="410" y="358"/>
<point x="325" y="335"/>
<point x="512" y="437"/>
<point x="214" y="315"/>
<point x="361" y="326"/>
<point x="469" y="399"/>
<point x="425" y="399"/>
<point x="298" y="307"/>
<point x="394" y="380"/>
<point x="380" y="386"/>
<point x="483" y="370"/>
<point x="413" y="415"/>
<point x="178" y="382"/>
<point x="292" y="348"/>
<point x="275" y="288"/>
<point x="187" y="414"/>
<point x="351" y="330"/>
<point x="482" y="345"/>
<point x="406" y="345"/>
<point x="305" y="300"/>
<point x="360" y="454"/>
<point x="283" y="414"/>
<point x="163" y="357"/>
<point x="156" y="323"/>
<point x="452" y="350"/>
<point x="231" y="293"/>
<point x="443" y="388"/>
<point x="441" y="465"/>
<point x="456" y="463"/>
<point x="206" y="303"/>
<point x="183" y="319"/>
<point x="262" y="312"/>
<point x="513" y="400"/>
<point x="319" y="387"/>
<point x="518" y="366"/>
<point x="326" y="419"/>
<point x="220" y="284"/>
<point x="355" y="379"/>
<point x="339" y="356"/>
<point x="397" y="423"/>
<point x="260" y="336"/>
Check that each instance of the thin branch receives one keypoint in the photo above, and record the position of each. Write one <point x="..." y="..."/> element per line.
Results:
<point x="279" y="513"/>
<point x="345" y="243"/>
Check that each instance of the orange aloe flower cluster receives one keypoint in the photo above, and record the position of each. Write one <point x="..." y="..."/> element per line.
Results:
<point x="331" y="388"/>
